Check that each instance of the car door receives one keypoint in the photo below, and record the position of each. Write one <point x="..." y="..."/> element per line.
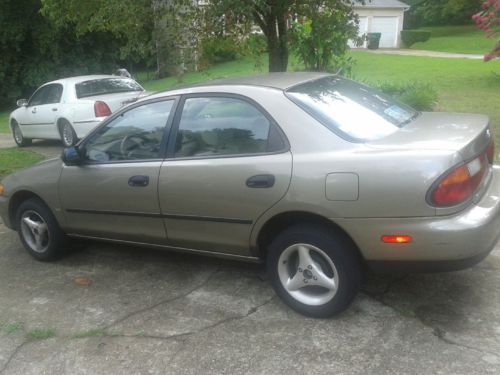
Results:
<point x="114" y="194"/>
<point x="228" y="163"/>
<point x="40" y="116"/>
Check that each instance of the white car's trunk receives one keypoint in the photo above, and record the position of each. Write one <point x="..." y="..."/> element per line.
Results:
<point x="117" y="100"/>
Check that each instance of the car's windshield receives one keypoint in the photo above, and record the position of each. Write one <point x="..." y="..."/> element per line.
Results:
<point x="352" y="110"/>
<point x="105" y="86"/>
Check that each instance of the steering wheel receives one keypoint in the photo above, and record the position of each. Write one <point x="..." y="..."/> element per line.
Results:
<point x="130" y="143"/>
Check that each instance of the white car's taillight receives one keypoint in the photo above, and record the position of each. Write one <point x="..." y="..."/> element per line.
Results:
<point x="101" y="109"/>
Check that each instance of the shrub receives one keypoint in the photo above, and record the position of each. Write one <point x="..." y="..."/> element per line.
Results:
<point x="255" y="44"/>
<point x="410" y="37"/>
<point x="218" y="49"/>
<point x="421" y="96"/>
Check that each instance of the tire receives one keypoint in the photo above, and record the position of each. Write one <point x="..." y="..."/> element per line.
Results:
<point x="68" y="135"/>
<point x="20" y="140"/>
<point x="329" y="268"/>
<point x="39" y="231"/>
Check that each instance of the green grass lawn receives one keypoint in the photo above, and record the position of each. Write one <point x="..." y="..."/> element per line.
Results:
<point x="463" y="85"/>
<point x="4" y="122"/>
<point x="224" y="70"/>
<point x="13" y="159"/>
<point x="457" y="39"/>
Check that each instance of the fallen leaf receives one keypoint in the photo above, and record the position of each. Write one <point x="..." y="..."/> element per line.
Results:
<point x="82" y="281"/>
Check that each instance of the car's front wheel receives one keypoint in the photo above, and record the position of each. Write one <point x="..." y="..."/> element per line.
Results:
<point x="68" y="135"/>
<point x="39" y="231"/>
<point x="313" y="270"/>
<point x="19" y="138"/>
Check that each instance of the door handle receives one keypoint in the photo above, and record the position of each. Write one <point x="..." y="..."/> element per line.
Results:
<point x="138" y="181"/>
<point x="54" y="109"/>
<point x="261" y="181"/>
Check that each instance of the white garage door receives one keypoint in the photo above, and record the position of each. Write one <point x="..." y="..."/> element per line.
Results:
<point x="388" y="26"/>
<point x="363" y="29"/>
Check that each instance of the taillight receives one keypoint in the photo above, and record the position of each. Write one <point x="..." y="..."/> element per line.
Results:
<point x="490" y="151"/>
<point x="458" y="185"/>
<point x="101" y="109"/>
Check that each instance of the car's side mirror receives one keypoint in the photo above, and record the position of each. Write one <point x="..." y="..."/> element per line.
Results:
<point x="71" y="156"/>
<point x="22" y="103"/>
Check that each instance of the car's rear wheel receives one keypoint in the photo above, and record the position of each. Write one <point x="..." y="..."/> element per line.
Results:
<point x="68" y="135"/>
<point x="19" y="138"/>
<point x="313" y="270"/>
<point x="39" y="231"/>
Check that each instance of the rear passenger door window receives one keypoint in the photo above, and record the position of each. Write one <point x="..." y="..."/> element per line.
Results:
<point x="218" y="126"/>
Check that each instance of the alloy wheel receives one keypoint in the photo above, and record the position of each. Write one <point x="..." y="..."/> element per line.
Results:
<point x="308" y="274"/>
<point x="35" y="231"/>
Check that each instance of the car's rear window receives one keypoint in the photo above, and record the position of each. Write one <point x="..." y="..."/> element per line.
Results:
<point x="105" y="86"/>
<point x="354" y="111"/>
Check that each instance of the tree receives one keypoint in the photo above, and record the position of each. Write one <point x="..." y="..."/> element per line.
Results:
<point x="320" y="37"/>
<point x="486" y="20"/>
<point x="34" y="51"/>
<point x="155" y="31"/>
<point x="176" y="28"/>
<point x="128" y="20"/>
<point x="273" y="17"/>
<point x="440" y="12"/>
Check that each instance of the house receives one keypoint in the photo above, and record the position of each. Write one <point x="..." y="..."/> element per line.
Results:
<point x="382" y="16"/>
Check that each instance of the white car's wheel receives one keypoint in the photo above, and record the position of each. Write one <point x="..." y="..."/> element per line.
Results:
<point x="68" y="135"/>
<point x="19" y="138"/>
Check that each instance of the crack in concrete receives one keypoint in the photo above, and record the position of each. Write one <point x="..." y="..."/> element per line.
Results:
<point x="178" y="336"/>
<point x="140" y="311"/>
<point x="12" y="356"/>
<point x="439" y="333"/>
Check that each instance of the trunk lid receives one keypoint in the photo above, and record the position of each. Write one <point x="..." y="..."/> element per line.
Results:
<point x="118" y="100"/>
<point x="468" y="134"/>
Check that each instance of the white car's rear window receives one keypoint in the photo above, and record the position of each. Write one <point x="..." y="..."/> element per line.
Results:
<point x="105" y="86"/>
<point x="354" y="111"/>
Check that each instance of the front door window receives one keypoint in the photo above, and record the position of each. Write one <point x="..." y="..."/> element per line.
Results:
<point x="134" y="135"/>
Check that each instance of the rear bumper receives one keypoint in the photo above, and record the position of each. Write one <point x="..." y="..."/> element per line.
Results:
<point x="426" y="266"/>
<point x="439" y="243"/>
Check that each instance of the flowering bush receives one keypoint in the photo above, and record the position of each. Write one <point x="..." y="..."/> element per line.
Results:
<point x="486" y="20"/>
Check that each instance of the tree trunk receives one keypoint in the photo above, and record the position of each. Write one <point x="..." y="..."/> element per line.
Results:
<point x="276" y="34"/>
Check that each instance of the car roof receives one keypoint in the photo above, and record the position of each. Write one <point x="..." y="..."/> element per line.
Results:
<point x="277" y="81"/>
<point x="281" y="81"/>
<point x="78" y="79"/>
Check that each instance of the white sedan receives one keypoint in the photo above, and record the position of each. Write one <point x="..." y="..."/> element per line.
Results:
<point x="67" y="109"/>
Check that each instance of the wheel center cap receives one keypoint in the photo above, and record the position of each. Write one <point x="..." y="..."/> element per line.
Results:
<point x="307" y="274"/>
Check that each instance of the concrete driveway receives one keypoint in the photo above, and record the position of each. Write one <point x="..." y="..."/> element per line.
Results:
<point x="123" y="310"/>
<point x="47" y="148"/>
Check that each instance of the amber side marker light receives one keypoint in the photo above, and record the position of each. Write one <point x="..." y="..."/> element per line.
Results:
<point x="396" y="239"/>
<point x="1" y="190"/>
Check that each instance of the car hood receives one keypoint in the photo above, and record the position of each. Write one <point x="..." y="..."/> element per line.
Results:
<point x="468" y="134"/>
